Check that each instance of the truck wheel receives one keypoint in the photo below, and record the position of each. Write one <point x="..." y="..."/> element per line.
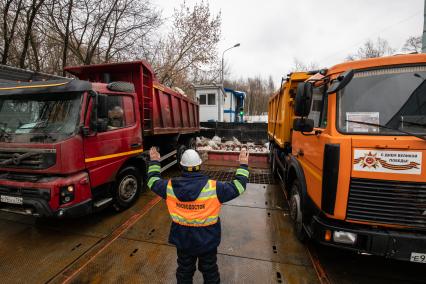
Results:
<point x="127" y="188"/>
<point x="296" y="211"/>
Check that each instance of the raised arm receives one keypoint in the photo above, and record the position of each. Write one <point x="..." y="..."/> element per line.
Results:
<point x="155" y="182"/>
<point x="227" y="191"/>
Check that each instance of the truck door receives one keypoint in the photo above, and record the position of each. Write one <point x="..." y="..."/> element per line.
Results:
<point x="117" y="137"/>
<point x="309" y="148"/>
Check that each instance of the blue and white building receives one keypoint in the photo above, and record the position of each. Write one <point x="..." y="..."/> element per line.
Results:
<point x="234" y="100"/>
<point x="216" y="105"/>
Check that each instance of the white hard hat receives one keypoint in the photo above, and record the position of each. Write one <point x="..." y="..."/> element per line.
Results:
<point x="190" y="158"/>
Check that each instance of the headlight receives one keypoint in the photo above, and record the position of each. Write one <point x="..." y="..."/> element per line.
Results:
<point x="344" y="237"/>
<point x="66" y="194"/>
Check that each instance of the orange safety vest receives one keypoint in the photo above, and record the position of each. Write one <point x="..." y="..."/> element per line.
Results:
<point x="203" y="211"/>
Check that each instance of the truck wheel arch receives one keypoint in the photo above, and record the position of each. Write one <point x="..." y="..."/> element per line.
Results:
<point x="139" y="162"/>
<point x="295" y="172"/>
<point x="309" y="209"/>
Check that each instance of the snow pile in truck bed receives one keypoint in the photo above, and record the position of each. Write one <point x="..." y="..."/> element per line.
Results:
<point x="216" y="144"/>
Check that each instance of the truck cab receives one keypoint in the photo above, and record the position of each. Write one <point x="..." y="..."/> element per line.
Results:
<point x="352" y="155"/>
<point x="69" y="147"/>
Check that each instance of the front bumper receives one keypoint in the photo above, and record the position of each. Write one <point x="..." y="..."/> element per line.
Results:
<point x="40" y="208"/>
<point x="76" y="210"/>
<point x="387" y="243"/>
<point x="41" y="196"/>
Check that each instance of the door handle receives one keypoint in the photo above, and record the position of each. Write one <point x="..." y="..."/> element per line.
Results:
<point x="135" y="145"/>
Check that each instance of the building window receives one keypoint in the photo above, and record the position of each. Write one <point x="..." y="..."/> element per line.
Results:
<point x="211" y="99"/>
<point x="202" y="99"/>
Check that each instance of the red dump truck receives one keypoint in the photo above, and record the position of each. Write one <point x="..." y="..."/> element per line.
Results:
<point x="70" y="147"/>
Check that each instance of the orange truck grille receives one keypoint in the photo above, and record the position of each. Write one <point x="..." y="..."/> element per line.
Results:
<point x="387" y="202"/>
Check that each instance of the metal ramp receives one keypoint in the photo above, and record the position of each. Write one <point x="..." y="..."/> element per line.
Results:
<point x="258" y="246"/>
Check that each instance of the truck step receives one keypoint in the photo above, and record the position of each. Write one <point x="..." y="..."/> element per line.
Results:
<point x="102" y="202"/>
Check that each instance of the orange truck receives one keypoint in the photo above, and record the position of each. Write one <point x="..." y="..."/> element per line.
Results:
<point x="348" y="143"/>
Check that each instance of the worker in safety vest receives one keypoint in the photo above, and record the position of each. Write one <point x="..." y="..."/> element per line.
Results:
<point x="194" y="203"/>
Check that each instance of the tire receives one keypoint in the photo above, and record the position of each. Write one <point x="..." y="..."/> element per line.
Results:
<point x="127" y="188"/>
<point x="296" y="213"/>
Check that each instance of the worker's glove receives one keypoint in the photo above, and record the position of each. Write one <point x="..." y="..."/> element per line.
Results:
<point x="154" y="155"/>
<point x="244" y="157"/>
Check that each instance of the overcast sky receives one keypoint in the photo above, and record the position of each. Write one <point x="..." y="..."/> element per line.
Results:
<point x="273" y="33"/>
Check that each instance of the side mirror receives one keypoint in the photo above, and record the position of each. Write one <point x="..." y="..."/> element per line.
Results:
<point x="341" y="81"/>
<point x="102" y="105"/>
<point x="100" y="119"/>
<point x="303" y="100"/>
<point x="303" y="125"/>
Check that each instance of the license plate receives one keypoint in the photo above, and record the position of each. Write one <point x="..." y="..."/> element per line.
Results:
<point x="418" y="257"/>
<point x="11" y="199"/>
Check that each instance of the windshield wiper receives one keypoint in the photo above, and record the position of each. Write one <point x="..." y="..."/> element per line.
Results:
<point x="37" y="125"/>
<point x="387" y="127"/>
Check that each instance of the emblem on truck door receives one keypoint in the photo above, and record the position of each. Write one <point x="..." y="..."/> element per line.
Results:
<point x="369" y="160"/>
<point x="401" y="162"/>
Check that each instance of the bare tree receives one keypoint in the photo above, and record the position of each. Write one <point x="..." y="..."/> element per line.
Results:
<point x="258" y="91"/>
<point x="95" y="31"/>
<point x="48" y="35"/>
<point x="413" y="44"/>
<point x="11" y="11"/>
<point x="93" y="26"/>
<point x="371" y="49"/>
<point x="31" y="12"/>
<point x="299" y="66"/>
<point x="132" y="27"/>
<point x="67" y="36"/>
<point x="190" y="46"/>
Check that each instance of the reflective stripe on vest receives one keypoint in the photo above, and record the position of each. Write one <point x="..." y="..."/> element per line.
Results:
<point x="203" y="211"/>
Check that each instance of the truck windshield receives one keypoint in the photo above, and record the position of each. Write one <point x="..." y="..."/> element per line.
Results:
<point x="39" y="118"/>
<point x="394" y="97"/>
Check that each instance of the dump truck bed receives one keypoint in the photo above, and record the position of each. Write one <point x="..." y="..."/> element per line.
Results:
<point x="280" y="109"/>
<point x="173" y="112"/>
<point x="163" y="110"/>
